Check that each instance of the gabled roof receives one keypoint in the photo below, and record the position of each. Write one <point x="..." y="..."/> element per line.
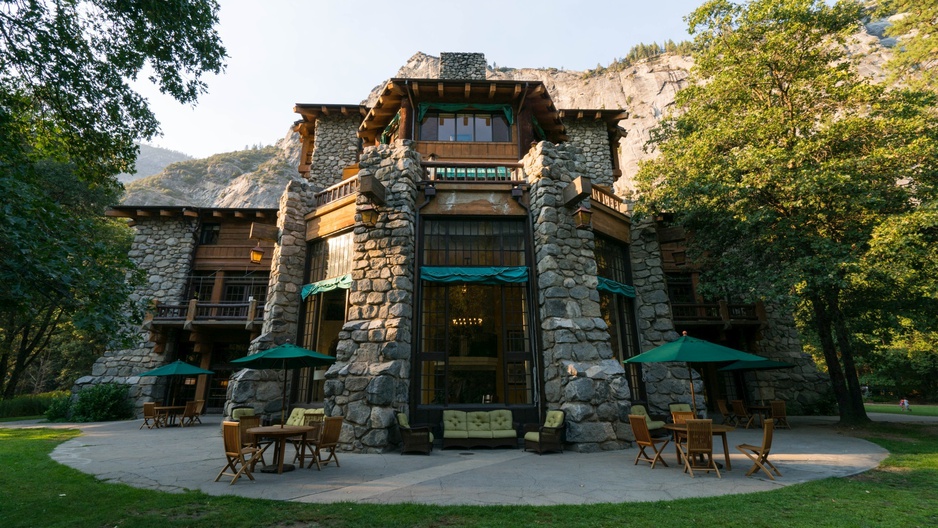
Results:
<point x="311" y="112"/>
<point x="519" y="94"/>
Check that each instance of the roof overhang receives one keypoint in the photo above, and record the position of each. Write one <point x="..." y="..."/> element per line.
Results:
<point x="151" y="211"/>
<point x="310" y="112"/>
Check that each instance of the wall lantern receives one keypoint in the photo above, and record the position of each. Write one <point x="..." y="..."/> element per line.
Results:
<point x="257" y="254"/>
<point x="369" y="215"/>
<point x="189" y="381"/>
<point x="581" y="218"/>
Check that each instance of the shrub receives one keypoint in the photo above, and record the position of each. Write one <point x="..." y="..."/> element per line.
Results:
<point x="60" y="409"/>
<point x="104" y="402"/>
<point x="29" y="404"/>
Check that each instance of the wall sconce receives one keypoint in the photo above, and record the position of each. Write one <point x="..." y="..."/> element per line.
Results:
<point x="369" y="215"/>
<point x="257" y="254"/>
<point x="190" y="381"/>
<point x="581" y="218"/>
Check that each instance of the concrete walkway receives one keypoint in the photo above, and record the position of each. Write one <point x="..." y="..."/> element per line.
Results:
<point x="178" y="459"/>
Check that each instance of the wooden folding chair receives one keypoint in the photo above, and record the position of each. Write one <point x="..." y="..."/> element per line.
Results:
<point x="249" y="440"/>
<point x="240" y="459"/>
<point x="191" y="414"/>
<point x="728" y="417"/>
<point x="779" y="414"/>
<point x="151" y="419"/>
<point x="760" y="454"/>
<point x="313" y="438"/>
<point x="698" y="451"/>
<point x="331" y="429"/>
<point x="644" y="439"/>
<point x="742" y="414"/>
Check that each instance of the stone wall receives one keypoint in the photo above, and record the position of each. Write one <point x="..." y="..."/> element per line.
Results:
<point x="335" y="146"/>
<point x="164" y="248"/>
<point x="581" y="375"/>
<point x="468" y="66"/>
<point x="282" y="309"/>
<point x="593" y="141"/>
<point x="370" y="379"/>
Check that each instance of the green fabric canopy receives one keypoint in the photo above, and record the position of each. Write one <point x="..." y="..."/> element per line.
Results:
<point x="344" y="282"/>
<point x="422" y="109"/>
<point x="612" y="286"/>
<point x="176" y="368"/>
<point x="475" y="275"/>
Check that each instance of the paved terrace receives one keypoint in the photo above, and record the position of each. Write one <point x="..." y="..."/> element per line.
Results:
<point x="177" y="459"/>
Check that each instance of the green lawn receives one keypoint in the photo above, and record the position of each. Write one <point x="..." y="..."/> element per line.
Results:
<point x="902" y="492"/>
<point x="893" y="408"/>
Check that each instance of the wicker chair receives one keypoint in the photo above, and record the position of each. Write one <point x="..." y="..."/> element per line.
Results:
<point x="414" y="438"/>
<point x="779" y="414"/>
<point x="240" y="460"/>
<point x="547" y="437"/>
<point x="760" y="454"/>
<point x="644" y="439"/>
<point x="742" y="414"/>
<point x="151" y="419"/>
<point x="698" y="451"/>
<point x="728" y="417"/>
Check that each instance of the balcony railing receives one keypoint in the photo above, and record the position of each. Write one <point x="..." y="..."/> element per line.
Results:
<point x="719" y="312"/>
<point x="606" y="197"/>
<point x="473" y="172"/>
<point x="203" y="312"/>
<point x="340" y="190"/>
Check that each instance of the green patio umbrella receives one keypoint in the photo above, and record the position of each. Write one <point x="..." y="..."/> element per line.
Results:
<point x="285" y="356"/>
<point x="765" y="364"/>
<point x="692" y="350"/>
<point x="176" y="368"/>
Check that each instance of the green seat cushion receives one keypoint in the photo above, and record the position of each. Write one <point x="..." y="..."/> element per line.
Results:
<point x="478" y="422"/>
<point x="296" y="417"/>
<point x="454" y="421"/>
<point x="501" y="420"/>
<point x="504" y="433"/>
<point x="431" y="437"/>
<point x="448" y="433"/>
<point x="681" y="407"/>
<point x="652" y="424"/>
<point x="553" y="419"/>
<point x="403" y="420"/>
<point x="532" y="437"/>
<point x="236" y="414"/>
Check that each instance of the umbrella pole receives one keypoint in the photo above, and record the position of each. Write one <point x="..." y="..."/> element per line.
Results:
<point x="283" y="402"/>
<point x="693" y="397"/>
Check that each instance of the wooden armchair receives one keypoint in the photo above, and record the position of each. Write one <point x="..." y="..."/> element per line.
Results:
<point x="742" y="414"/>
<point x="331" y="429"/>
<point x="760" y="454"/>
<point x="698" y="451"/>
<point x="644" y="439"/>
<point x="779" y="414"/>
<point x="151" y="419"/>
<point x="416" y="438"/>
<point x="240" y="460"/>
<point x="547" y="437"/>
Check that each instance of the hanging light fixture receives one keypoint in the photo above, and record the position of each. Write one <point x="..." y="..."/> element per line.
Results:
<point x="581" y="218"/>
<point x="257" y="254"/>
<point x="369" y="215"/>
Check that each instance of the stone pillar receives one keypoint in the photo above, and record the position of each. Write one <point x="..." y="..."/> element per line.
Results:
<point x="581" y="375"/>
<point x="462" y="66"/>
<point x="335" y="147"/>
<point x="593" y="141"/>
<point x="370" y="379"/>
<point x="164" y="248"/>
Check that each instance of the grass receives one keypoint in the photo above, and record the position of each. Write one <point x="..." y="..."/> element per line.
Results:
<point x="903" y="491"/>
<point x="893" y="408"/>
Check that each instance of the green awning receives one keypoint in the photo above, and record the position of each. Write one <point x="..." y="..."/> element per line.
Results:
<point x="422" y="109"/>
<point x="344" y="282"/>
<point x="475" y="275"/>
<point x="612" y="286"/>
<point x="390" y="129"/>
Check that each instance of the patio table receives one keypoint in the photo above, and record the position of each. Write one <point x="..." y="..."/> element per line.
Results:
<point x="280" y="433"/>
<point x="167" y="413"/>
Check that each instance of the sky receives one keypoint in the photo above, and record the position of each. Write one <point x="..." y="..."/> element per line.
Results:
<point x="283" y="52"/>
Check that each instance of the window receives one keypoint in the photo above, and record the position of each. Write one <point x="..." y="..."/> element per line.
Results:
<point x="464" y="126"/>
<point x="209" y="234"/>
<point x="474" y="341"/>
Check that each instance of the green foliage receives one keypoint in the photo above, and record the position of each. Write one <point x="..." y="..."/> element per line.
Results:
<point x="30" y="404"/>
<point x="640" y="52"/>
<point x="915" y="60"/>
<point x="103" y="402"/>
<point x="60" y="409"/>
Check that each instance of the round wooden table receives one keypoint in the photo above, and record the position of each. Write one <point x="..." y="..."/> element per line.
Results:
<point x="716" y="429"/>
<point x="280" y="433"/>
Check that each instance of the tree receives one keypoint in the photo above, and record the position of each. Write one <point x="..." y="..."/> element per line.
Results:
<point x="915" y="60"/>
<point x="69" y="121"/>
<point x="783" y="161"/>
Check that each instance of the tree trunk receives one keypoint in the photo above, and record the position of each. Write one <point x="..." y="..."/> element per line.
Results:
<point x="854" y="412"/>
<point x="823" y="322"/>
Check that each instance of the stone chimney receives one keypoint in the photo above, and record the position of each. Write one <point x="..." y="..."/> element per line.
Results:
<point x="469" y="66"/>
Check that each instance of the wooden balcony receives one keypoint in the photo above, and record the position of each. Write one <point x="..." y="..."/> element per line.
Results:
<point x="344" y="188"/>
<point x="473" y="172"/>
<point x="204" y="313"/>
<point x="722" y="313"/>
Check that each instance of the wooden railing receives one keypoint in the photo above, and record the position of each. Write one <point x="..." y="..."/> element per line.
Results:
<point x="195" y="311"/>
<point x="718" y="312"/>
<point x="608" y="198"/>
<point x="340" y="190"/>
<point x="473" y="172"/>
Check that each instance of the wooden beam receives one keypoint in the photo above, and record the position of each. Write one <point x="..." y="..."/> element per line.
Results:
<point x="363" y="111"/>
<point x="324" y="110"/>
<point x="240" y="214"/>
<point x="344" y="110"/>
<point x="492" y="91"/>
<point x="141" y="212"/>
<point x="118" y="214"/>
<point x="576" y="191"/>
<point x="167" y="213"/>
<point x="396" y="89"/>
<point x="264" y="232"/>
<point x="189" y="213"/>
<point x="439" y="89"/>
<point x="416" y="87"/>
<point x="467" y="90"/>
<point x="369" y="186"/>
<point x="218" y="214"/>
<point x="517" y="90"/>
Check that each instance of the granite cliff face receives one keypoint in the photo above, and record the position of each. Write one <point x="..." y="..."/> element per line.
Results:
<point x="257" y="178"/>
